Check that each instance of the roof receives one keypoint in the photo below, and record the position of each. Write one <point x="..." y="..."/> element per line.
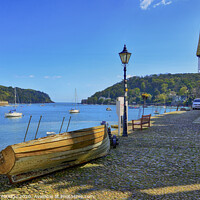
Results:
<point x="198" y="48"/>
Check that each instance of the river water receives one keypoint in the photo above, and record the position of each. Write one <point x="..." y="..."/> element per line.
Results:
<point x="12" y="130"/>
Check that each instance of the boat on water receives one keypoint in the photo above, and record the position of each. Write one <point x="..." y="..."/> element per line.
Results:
<point x="75" y="110"/>
<point x="50" y="133"/>
<point x="13" y="113"/>
<point x="108" y="109"/>
<point x="134" y="107"/>
<point x="27" y="160"/>
<point x="156" y="112"/>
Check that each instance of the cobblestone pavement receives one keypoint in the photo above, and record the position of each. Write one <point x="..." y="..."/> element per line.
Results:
<point x="161" y="162"/>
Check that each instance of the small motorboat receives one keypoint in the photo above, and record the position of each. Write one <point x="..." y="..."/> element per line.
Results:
<point x="50" y="133"/>
<point x="108" y="109"/>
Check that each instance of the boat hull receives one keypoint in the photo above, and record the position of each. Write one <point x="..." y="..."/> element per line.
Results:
<point x="14" y="114"/>
<point x="74" y="111"/>
<point x="27" y="160"/>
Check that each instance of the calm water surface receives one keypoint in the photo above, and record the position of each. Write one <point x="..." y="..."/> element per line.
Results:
<point x="12" y="130"/>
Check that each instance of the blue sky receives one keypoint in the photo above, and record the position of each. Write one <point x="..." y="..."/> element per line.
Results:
<point x="56" y="46"/>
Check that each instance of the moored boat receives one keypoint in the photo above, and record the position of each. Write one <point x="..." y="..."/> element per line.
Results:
<point x="27" y="160"/>
<point x="13" y="113"/>
<point x="74" y="111"/>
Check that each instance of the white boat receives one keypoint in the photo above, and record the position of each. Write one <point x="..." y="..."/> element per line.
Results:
<point x="13" y="113"/>
<point x="74" y="110"/>
<point x="50" y="133"/>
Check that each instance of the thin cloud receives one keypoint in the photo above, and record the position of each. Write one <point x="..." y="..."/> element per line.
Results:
<point x="145" y="4"/>
<point x="57" y="77"/>
<point x="163" y="2"/>
<point x="24" y="76"/>
<point x="52" y="77"/>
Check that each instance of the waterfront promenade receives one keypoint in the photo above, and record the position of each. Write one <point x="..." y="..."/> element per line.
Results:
<point x="161" y="162"/>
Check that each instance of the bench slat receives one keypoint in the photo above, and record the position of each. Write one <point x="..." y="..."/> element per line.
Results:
<point x="144" y="120"/>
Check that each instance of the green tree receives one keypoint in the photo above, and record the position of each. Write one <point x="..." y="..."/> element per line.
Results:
<point x="161" y="98"/>
<point x="182" y="91"/>
<point x="164" y="87"/>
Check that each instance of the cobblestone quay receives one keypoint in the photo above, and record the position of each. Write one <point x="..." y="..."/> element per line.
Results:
<point x="161" y="162"/>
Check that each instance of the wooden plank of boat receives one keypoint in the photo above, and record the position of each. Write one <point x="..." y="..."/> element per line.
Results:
<point x="59" y="137"/>
<point x="85" y="157"/>
<point x="57" y="145"/>
<point x="27" y="160"/>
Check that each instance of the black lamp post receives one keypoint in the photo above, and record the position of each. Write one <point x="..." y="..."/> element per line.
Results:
<point x="144" y="96"/>
<point x="125" y="56"/>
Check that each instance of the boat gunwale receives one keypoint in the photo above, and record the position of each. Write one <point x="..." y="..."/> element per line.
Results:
<point x="42" y="141"/>
<point x="29" y="151"/>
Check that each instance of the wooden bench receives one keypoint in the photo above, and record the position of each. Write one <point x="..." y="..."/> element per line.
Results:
<point x="142" y="122"/>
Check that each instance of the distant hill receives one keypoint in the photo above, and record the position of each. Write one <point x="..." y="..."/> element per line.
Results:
<point x="162" y="88"/>
<point x="23" y="95"/>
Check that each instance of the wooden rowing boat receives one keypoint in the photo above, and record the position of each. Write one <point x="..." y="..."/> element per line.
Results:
<point x="27" y="160"/>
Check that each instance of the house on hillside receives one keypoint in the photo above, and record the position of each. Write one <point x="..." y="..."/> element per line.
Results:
<point x="198" y="55"/>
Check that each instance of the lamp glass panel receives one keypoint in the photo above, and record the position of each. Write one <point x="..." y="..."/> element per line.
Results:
<point x="128" y="57"/>
<point x="125" y="57"/>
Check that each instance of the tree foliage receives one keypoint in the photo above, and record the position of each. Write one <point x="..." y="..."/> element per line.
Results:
<point x="163" y="88"/>
<point x="23" y="95"/>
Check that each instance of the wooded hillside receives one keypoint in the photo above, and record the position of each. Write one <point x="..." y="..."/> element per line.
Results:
<point x="23" y="95"/>
<point x="163" y="88"/>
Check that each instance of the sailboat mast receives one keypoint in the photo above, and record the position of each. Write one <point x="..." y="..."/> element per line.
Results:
<point x="15" y="97"/>
<point x="75" y="98"/>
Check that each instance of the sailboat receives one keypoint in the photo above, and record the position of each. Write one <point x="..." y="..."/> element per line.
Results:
<point x="74" y="110"/>
<point x="13" y="113"/>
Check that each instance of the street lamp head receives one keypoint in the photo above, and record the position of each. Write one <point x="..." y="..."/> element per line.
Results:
<point x="125" y="55"/>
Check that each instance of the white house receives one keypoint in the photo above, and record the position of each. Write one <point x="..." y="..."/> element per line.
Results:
<point x="198" y="55"/>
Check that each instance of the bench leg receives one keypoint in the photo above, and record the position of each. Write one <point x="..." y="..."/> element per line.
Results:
<point x="133" y="125"/>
